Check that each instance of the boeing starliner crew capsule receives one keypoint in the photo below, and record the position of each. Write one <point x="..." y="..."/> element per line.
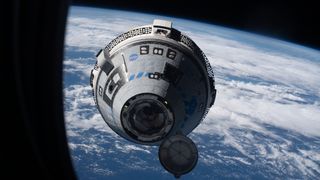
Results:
<point x="153" y="85"/>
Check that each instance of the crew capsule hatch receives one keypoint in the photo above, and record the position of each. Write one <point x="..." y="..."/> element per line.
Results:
<point x="153" y="85"/>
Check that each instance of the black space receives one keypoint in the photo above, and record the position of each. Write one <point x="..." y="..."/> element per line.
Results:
<point x="288" y="20"/>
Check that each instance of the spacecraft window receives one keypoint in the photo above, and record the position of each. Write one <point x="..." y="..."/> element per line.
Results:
<point x="144" y="50"/>
<point x="171" y="54"/>
<point x="158" y="51"/>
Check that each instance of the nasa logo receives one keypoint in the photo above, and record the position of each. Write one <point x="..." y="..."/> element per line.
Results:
<point x="133" y="57"/>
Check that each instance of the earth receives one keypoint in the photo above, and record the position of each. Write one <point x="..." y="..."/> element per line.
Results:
<point x="265" y="123"/>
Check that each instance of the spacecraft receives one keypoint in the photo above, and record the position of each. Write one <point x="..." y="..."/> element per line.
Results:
<point x="153" y="85"/>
